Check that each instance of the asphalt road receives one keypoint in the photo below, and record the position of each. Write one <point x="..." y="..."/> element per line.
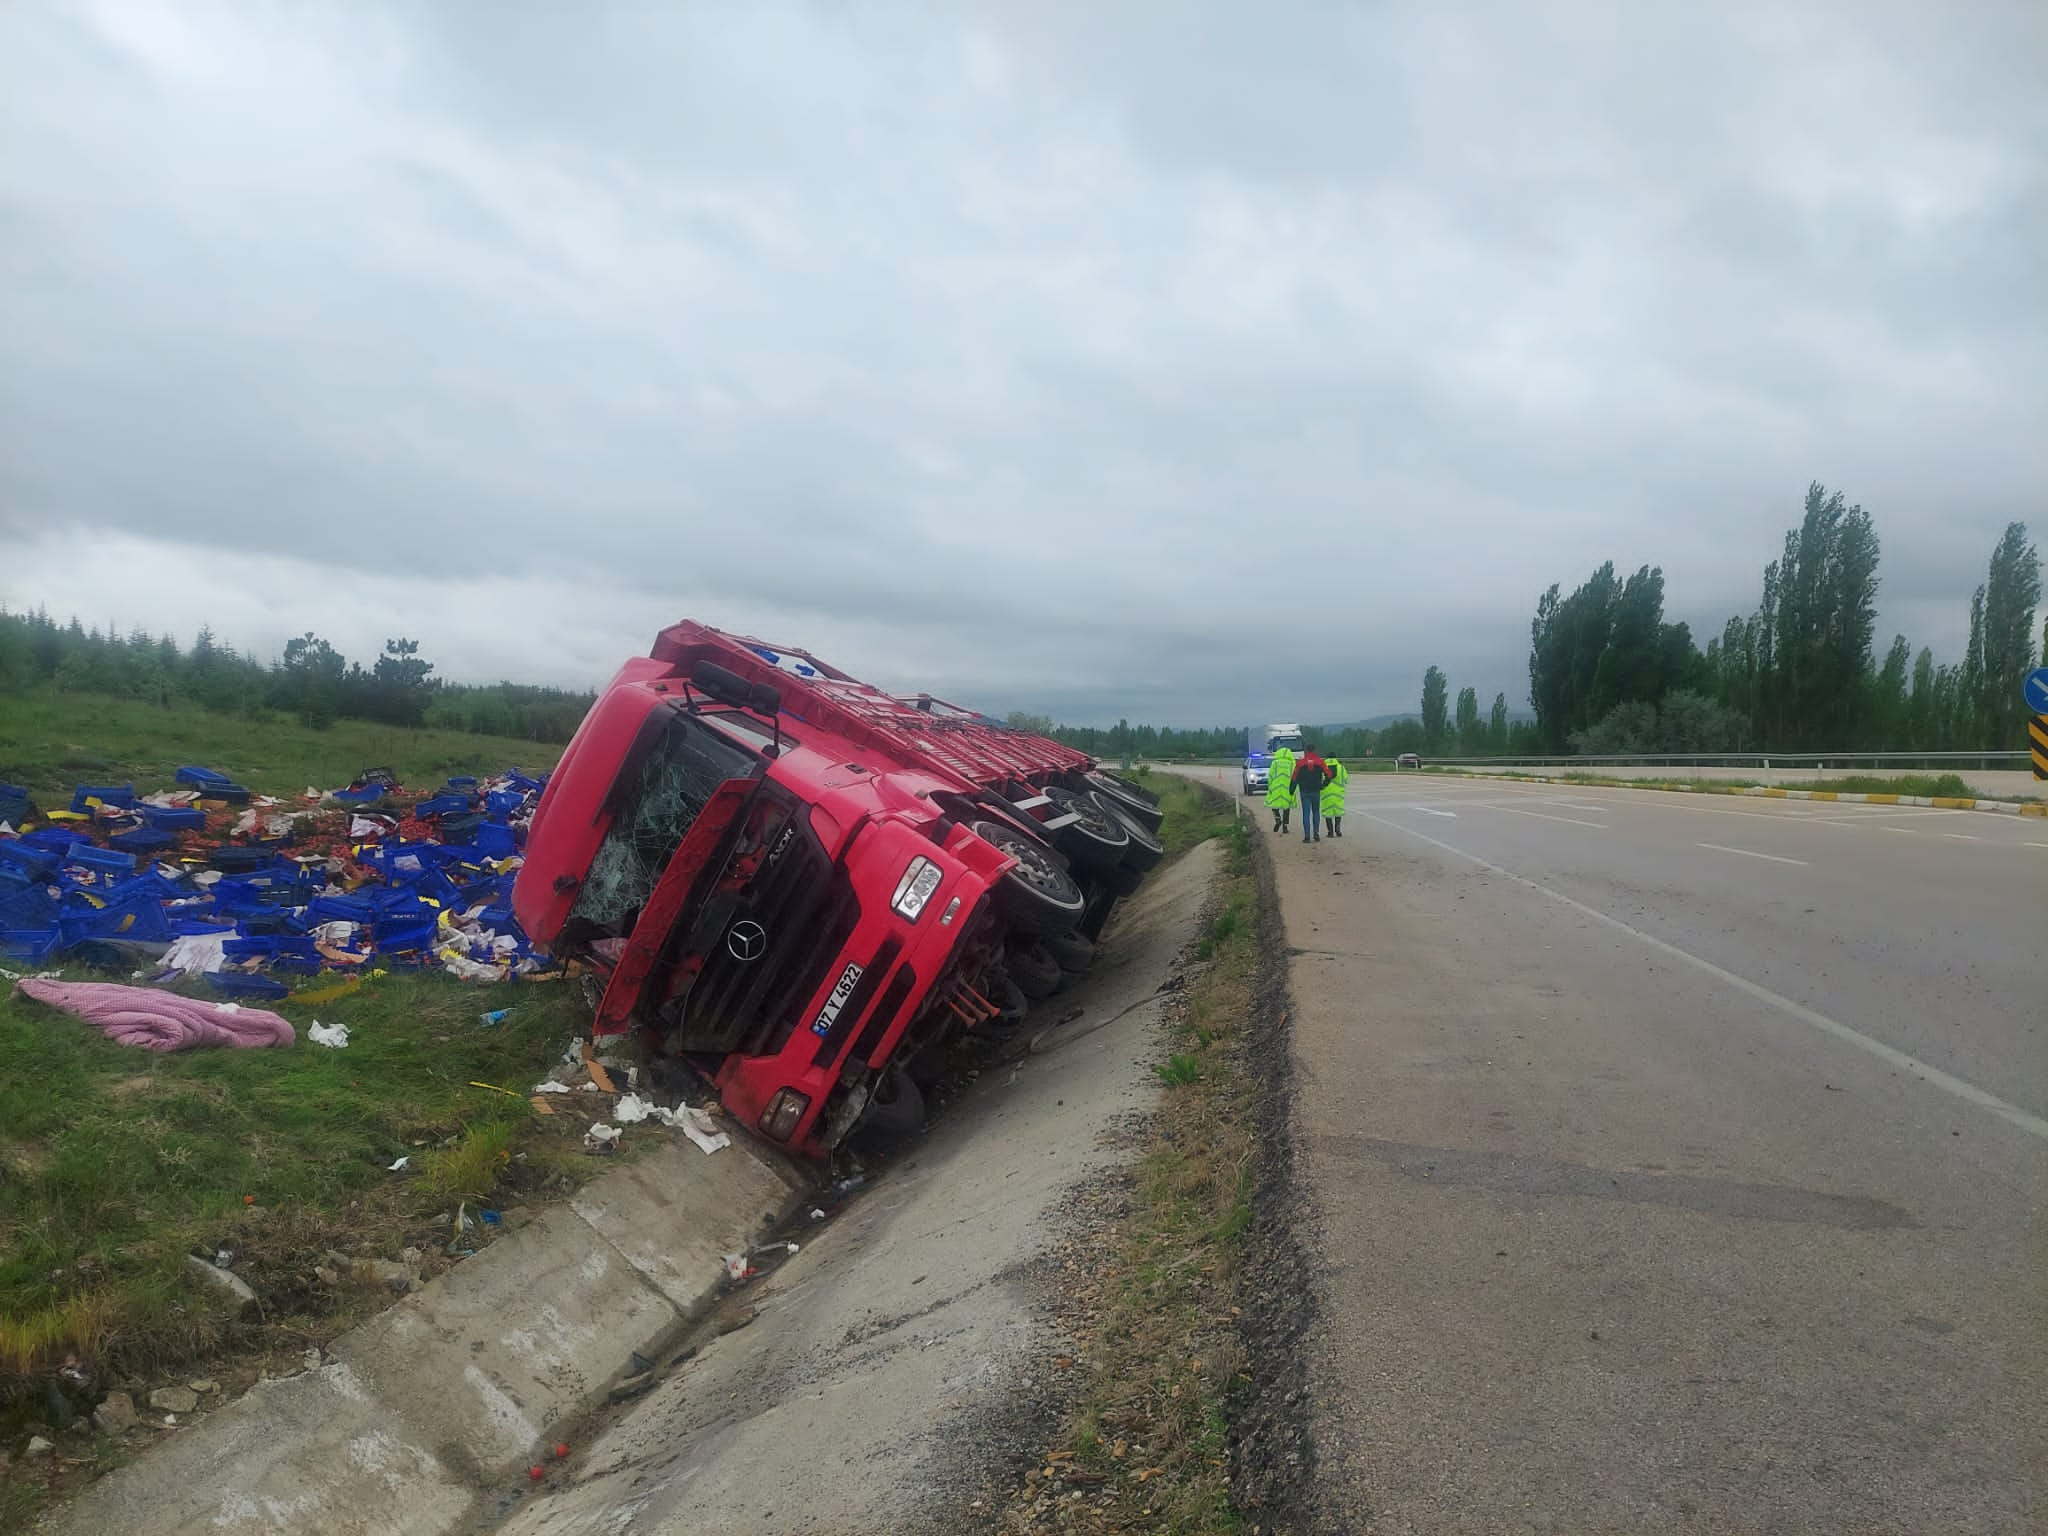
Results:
<point x="1676" y="1164"/>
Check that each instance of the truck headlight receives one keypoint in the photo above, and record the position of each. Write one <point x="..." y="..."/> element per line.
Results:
<point x="915" y="889"/>
<point x="780" y="1118"/>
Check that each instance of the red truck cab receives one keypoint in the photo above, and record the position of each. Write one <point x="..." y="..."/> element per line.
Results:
<point x="804" y="885"/>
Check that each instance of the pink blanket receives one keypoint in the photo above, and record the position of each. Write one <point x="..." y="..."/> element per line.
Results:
<point x="158" y="1021"/>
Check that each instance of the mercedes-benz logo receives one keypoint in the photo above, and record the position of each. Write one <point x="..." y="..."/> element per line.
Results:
<point x="745" y="940"/>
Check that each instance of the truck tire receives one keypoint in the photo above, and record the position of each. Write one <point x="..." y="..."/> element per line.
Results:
<point x="1073" y="953"/>
<point x="1132" y="785"/>
<point x="1034" y="968"/>
<point x="896" y="1110"/>
<point x="1099" y="840"/>
<point x="1129" y="798"/>
<point x="1145" y="852"/>
<point x="1037" y="894"/>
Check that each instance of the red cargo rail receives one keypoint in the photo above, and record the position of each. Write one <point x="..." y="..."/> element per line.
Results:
<point x="922" y="733"/>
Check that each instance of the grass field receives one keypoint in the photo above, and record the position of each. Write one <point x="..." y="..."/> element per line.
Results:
<point x="1149" y="1435"/>
<point x="1926" y="785"/>
<point x="51" y="741"/>
<point x="116" y="1162"/>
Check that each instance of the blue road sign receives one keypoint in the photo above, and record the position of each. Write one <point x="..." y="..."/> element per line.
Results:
<point x="2037" y="690"/>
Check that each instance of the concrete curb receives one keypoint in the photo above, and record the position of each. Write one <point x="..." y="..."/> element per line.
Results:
<point x="1775" y="792"/>
<point x="460" y="1387"/>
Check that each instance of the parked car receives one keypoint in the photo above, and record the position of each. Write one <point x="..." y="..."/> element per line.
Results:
<point x="1408" y="760"/>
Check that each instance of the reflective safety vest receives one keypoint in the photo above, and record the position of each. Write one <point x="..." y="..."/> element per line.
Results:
<point x="1279" y="780"/>
<point x="1333" y="791"/>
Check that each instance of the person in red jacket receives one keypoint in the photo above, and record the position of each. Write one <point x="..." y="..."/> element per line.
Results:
<point x="1311" y="773"/>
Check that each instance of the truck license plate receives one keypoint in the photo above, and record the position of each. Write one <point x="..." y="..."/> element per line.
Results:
<point x="848" y="978"/>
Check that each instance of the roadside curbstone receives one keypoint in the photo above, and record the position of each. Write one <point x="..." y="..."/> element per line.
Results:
<point x="456" y="1387"/>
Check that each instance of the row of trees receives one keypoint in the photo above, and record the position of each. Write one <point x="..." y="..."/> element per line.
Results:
<point x="311" y="680"/>
<point x="1608" y="673"/>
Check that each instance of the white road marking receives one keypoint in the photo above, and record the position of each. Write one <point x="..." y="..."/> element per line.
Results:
<point x="1750" y="853"/>
<point x="1968" y="1092"/>
<point x="1963" y="837"/>
<point x="1541" y="816"/>
<point x="1429" y="810"/>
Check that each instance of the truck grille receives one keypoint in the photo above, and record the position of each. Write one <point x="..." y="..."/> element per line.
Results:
<point x="802" y="912"/>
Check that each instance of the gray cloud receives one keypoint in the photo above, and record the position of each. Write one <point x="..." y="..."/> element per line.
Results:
<point x="1173" y="362"/>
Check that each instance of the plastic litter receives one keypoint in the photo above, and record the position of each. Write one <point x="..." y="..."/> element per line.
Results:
<point x="401" y="1165"/>
<point x="691" y="1121"/>
<point x="737" y="1269"/>
<point x="493" y="1018"/>
<point x="334" y="1036"/>
<point x="599" y="1137"/>
<point x="550" y="1086"/>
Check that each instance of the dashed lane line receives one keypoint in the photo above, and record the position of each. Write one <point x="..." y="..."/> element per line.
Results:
<point x="1751" y="853"/>
<point x="1970" y="1093"/>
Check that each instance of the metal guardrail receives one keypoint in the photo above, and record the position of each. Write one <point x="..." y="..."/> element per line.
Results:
<point x="2016" y="761"/>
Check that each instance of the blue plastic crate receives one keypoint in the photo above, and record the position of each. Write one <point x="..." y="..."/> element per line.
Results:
<point x="246" y="984"/>
<point x="358" y="908"/>
<point x="104" y="861"/>
<point x="122" y="795"/>
<point x="455" y="781"/>
<point x="135" y="916"/>
<point x="393" y="937"/>
<point x="443" y="805"/>
<point x="142" y="840"/>
<point x="173" y="818"/>
<point x="239" y="859"/>
<point x="495" y="841"/>
<point x="31" y="944"/>
<point x="201" y="778"/>
<point x="31" y="860"/>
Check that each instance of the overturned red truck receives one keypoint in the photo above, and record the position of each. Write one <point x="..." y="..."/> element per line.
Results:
<point x="810" y="888"/>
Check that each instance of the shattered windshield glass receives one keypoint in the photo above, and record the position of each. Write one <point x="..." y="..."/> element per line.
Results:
<point x="669" y="787"/>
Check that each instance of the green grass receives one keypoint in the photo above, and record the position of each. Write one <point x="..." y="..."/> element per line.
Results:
<point x="1152" y="1422"/>
<point x="1194" y="813"/>
<point x="1946" y="786"/>
<point x="118" y="1161"/>
<point x="50" y="742"/>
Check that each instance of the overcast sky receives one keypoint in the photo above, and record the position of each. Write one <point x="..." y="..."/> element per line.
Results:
<point x="1180" y="362"/>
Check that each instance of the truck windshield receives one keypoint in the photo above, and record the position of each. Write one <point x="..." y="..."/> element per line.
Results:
<point x="661" y="788"/>
<point x="1275" y="743"/>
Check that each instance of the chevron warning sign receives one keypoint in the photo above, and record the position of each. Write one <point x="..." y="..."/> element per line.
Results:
<point x="2037" y="739"/>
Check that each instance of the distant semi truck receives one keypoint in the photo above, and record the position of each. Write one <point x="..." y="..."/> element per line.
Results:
<point x="1259" y="747"/>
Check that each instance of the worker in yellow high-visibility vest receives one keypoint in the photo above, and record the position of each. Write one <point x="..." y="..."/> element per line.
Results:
<point x="1280" y="787"/>
<point x="1333" y="797"/>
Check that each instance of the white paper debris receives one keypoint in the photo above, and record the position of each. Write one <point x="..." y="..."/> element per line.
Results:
<point x="334" y="1036"/>
<point x="402" y="1163"/>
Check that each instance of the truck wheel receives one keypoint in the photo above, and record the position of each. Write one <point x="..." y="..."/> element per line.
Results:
<point x="1070" y="950"/>
<point x="1145" y="852"/>
<point x="1099" y="839"/>
<point x="1128" y="798"/>
<point x="1132" y="785"/>
<point x="895" y="1110"/>
<point x="1037" y="893"/>
<point x="1034" y="968"/>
